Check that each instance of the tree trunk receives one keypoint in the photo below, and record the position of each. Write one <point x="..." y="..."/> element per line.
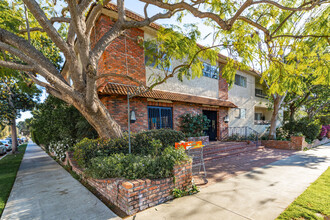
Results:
<point x="277" y="105"/>
<point x="101" y="120"/>
<point x="292" y="112"/>
<point x="14" y="136"/>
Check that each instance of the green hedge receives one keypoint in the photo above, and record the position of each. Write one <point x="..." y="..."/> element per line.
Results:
<point x="133" y="166"/>
<point x="310" y="129"/>
<point x="142" y="143"/>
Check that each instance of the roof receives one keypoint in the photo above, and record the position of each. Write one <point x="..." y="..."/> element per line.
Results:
<point x="120" y="89"/>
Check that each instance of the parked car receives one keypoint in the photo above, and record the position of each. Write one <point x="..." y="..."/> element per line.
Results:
<point x="3" y="149"/>
<point x="6" y="144"/>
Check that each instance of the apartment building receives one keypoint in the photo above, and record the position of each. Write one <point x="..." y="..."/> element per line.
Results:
<point x="244" y="104"/>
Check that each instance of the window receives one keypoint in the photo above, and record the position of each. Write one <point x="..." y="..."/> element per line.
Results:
<point x="165" y="63"/>
<point x="258" y="116"/>
<point x="210" y="71"/>
<point x="240" y="113"/>
<point x="159" y="117"/>
<point x="260" y="93"/>
<point x="240" y="80"/>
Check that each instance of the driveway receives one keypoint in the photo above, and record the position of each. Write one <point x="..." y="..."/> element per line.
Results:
<point x="262" y="193"/>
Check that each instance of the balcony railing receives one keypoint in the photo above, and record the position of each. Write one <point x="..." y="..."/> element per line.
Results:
<point x="261" y="122"/>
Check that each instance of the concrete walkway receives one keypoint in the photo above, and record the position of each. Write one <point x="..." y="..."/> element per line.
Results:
<point x="44" y="190"/>
<point x="259" y="194"/>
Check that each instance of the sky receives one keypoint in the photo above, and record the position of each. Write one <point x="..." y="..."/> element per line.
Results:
<point x="138" y="7"/>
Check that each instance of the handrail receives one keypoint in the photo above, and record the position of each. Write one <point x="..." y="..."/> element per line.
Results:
<point x="244" y="133"/>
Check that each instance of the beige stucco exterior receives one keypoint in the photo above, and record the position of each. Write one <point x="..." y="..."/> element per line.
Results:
<point x="198" y="86"/>
<point x="244" y="98"/>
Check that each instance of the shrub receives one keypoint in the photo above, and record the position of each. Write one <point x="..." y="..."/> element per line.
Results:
<point x="324" y="131"/>
<point x="144" y="143"/>
<point x="59" y="148"/>
<point x="309" y="129"/>
<point x="194" y="125"/>
<point x="132" y="166"/>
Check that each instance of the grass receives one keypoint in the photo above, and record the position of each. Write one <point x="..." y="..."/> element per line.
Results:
<point x="314" y="203"/>
<point x="8" y="170"/>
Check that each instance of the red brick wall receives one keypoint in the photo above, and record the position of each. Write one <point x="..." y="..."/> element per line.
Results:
<point x="113" y="60"/>
<point x="117" y="106"/>
<point x="132" y="196"/>
<point x="223" y="86"/>
<point x="296" y="143"/>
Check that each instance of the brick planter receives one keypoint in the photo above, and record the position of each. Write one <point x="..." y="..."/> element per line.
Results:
<point x="296" y="143"/>
<point x="132" y="196"/>
<point x="204" y="139"/>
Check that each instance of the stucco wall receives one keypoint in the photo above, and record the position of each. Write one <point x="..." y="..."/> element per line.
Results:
<point x="244" y="97"/>
<point x="199" y="86"/>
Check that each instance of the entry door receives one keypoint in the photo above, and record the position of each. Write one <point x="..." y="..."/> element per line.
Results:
<point x="212" y="130"/>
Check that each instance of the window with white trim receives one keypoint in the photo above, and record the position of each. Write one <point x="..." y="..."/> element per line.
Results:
<point x="240" y="113"/>
<point x="240" y="80"/>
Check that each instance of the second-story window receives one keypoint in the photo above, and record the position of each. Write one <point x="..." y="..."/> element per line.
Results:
<point x="210" y="71"/>
<point x="155" y="58"/>
<point x="240" y="80"/>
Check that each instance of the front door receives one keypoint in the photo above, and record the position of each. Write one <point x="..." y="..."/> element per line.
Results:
<point x="212" y="130"/>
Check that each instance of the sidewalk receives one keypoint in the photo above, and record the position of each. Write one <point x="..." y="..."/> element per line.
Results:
<point x="44" y="190"/>
<point x="259" y="194"/>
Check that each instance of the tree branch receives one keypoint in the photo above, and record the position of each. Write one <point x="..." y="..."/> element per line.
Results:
<point x="313" y="4"/>
<point x="301" y="36"/>
<point x="16" y="66"/>
<point x="120" y="75"/>
<point x="48" y="27"/>
<point x="185" y="6"/>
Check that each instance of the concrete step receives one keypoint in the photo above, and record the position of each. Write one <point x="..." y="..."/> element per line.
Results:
<point x="229" y="153"/>
<point x="224" y="147"/>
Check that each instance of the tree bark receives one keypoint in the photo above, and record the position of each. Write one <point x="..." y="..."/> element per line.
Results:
<point x="277" y="105"/>
<point x="292" y="112"/>
<point x="101" y="120"/>
<point x="14" y="136"/>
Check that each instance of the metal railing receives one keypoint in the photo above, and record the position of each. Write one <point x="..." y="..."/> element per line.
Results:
<point x="240" y="134"/>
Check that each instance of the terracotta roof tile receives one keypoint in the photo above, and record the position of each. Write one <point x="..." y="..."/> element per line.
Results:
<point x="119" y="89"/>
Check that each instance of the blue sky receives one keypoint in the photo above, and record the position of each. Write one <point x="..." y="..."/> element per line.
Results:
<point x="138" y="8"/>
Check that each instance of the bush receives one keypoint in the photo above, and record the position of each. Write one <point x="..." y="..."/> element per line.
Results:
<point x="151" y="142"/>
<point x="194" y="125"/>
<point x="324" y="131"/>
<point x="309" y="129"/>
<point x="133" y="166"/>
<point x="59" y="148"/>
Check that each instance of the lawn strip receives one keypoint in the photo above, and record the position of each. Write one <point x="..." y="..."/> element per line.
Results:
<point x="314" y="203"/>
<point x="8" y="171"/>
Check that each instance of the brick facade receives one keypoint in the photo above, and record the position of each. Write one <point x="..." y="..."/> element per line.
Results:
<point x="117" y="105"/>
<point x="122" y="56"/>
<point x="132" y="196"/>
<point x="125" y="56"/>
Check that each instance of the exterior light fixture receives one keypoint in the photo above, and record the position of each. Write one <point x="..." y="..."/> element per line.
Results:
<point x="226" y="119"/>
<point x="132" y="116"/>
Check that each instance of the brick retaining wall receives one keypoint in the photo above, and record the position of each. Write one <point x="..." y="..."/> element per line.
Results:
<point x="296" y="143"/>
<point x="132" y="196"/>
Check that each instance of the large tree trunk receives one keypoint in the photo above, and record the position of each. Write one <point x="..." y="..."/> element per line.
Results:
<point x="277" y="105"/>
<point x="14" y="136"/>
<point x="101" y="120"/>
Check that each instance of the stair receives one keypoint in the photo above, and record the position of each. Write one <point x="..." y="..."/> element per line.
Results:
<point x="218" y="150"/>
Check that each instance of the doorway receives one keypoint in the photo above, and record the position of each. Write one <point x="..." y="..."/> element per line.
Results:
<point x="212" y="130"/>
